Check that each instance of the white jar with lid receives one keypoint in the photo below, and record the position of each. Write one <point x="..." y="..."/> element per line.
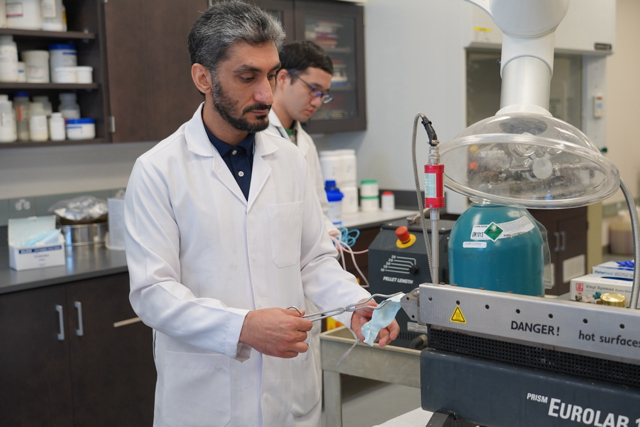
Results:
<point x="62" y="55"/>
<point x="388" y="201"/>
<point x="331" y="166"/>
<point x="348" y="164"/>
<point x="37" y="65"/>
<point x="81" y="129"/>
<point x="57" y="127"/>
<point x="24" y="14"/>
<point x="8" y="59"/>
<point x="7" y="120"/>
<point x="350" y="201"/>
<point x="84" y="74"/>
<point x="65" y="75"/>
<point x="52" y="15"/>
<point x="38" y="129"/>
<point x="68" y="106"/>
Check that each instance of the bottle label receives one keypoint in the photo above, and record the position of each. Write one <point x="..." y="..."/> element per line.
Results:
<point x="48" y="8"/>
<point x="501" y="230"/>
<point x="14" y="10"/>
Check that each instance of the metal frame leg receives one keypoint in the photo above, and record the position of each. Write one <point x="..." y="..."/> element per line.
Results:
<point x="332" y="398"/>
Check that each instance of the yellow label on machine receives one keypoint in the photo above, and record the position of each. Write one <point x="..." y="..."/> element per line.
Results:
<point x="483" y="29"/>
<point x="457" y="316"/>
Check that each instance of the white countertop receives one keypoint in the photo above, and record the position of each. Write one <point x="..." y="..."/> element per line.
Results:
<point x="372" y="219"/>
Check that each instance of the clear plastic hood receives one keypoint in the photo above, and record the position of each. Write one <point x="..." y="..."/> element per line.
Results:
<point x="530" y="160"/>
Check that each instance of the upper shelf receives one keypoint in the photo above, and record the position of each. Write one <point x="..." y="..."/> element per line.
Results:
<point x="61" y="86"/>
<point x="48" y="34"/>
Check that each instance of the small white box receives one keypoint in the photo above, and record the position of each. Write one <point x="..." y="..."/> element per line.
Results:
<point x="586" y="286"/>
<point x="22" y="257"/>
<point x="613" y="269"/>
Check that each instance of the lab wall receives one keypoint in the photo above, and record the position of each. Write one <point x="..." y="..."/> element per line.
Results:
<point x="414" y="62"/>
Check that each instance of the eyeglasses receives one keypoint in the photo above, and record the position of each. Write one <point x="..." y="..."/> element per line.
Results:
<point x="315" y="92"/>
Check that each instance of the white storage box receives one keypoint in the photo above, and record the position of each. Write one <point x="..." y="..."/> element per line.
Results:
<point x="586" y="286"/>
<point x="613" y="269"/>
<point x="24" y="257"/>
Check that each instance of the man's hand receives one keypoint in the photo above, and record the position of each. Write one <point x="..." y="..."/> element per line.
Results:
<point x="276" y="332"/>
<point x="362" y="316"/>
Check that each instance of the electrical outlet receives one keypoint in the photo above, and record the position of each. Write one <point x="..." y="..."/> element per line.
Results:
<point x="22" y="208"/>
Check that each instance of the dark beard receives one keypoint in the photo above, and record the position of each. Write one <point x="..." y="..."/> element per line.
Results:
<point x="225" y="107"/>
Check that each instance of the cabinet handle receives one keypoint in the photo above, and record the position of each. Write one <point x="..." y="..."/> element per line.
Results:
<point x="557" y="236"/>
<point x="80" y="330"/>
<point x="60" y="323"/>
<point x="564" y="240"/>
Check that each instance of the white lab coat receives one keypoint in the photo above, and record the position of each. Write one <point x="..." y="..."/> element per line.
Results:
<point x="310" y="154"/>
<point x="200" y="256"/>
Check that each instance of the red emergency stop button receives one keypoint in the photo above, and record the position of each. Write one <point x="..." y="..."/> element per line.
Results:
<point x="405" y="239"/>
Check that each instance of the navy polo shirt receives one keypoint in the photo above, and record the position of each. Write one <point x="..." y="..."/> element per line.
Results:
<point x="239" y="159"/>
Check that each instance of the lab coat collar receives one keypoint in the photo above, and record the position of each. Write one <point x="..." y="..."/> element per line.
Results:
<point x="303" y="145"/>
<point x="199" y="144"/>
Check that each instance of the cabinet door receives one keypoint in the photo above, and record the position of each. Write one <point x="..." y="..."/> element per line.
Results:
<point x="35" y="386"/>
<point x="339" y="29"/>
<point x="150" y="88"/>
<point x="282" y="10"/>
<point x="112" y="366"/>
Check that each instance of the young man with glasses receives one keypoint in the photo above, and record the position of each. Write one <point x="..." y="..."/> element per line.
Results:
<point x="302" y="86"/>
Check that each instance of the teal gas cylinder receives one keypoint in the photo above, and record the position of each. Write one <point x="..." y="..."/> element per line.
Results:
<point x="498" y="248"/>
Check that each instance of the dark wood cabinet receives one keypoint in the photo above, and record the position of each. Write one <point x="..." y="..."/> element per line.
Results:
<point x="338" y="27"/>
<point x="147" y="59"/>
<point x="567" y="236"/>
<point x="74" y="354"/>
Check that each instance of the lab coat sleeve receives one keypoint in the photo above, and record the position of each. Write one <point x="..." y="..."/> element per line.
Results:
<point x="152" y="242"/>
<point x="325" y="282"/>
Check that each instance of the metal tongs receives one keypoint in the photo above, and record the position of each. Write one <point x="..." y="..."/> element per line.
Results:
<point x="348" y="309"/>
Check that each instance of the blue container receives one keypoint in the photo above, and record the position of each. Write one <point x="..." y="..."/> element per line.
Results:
<point x="498" y="248"/>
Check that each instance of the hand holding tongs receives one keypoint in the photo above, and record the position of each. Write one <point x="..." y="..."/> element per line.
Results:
<point x="350" y="308"/>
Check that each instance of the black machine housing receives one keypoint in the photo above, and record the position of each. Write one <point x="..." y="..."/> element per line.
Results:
<point x="395" y="269"/>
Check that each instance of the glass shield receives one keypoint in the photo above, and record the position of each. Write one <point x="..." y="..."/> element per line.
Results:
<point x="528" y="160"/>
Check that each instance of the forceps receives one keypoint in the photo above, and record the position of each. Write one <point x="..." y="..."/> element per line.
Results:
<point x="348" y="309"/>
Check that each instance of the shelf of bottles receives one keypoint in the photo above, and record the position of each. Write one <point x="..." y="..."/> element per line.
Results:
<point x="337" y="36"/>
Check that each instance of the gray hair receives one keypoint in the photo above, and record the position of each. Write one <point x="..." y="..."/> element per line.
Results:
<point x="227" y="22"/>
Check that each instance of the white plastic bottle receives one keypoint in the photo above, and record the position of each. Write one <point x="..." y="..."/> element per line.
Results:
<point x="46" y="104"/>
<point x="52" y="15"/>
<point x="68" y="106"/>
<point x="21" y="106"/>
<point x="38" y="129"/>
<point x="24" y="14"/>
<point x="8" y="59"/>
<point x="57" y="129"/>
<point x="7" y="120"/>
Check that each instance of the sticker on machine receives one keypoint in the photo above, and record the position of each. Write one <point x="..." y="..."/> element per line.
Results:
<point x="502" y="230"/>
<point x="478" y="245"/>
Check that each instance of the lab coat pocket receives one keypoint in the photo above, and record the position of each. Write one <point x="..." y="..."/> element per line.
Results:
<point x="197" y="389"/>
<point x="305" y="384"/>
<point x="285" y="228"/>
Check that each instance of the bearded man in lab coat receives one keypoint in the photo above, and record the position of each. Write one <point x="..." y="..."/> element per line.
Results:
<point x="224" y="232"/>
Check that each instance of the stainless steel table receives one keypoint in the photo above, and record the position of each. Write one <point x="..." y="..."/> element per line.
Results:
<point x="391" y="364"/>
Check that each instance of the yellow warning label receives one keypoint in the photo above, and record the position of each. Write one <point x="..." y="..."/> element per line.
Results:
<point x="457" y="316"/>
<point x="483" y="29"/>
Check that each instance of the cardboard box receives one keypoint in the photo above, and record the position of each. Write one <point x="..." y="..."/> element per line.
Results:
<point x="586" y="286"/>
<point x="24" y="256"/>
<point x="613" y="269"/>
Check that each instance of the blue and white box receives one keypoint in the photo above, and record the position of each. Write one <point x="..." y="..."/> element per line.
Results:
<point x="35" y="243"/>
<point x="614" y="269"/>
